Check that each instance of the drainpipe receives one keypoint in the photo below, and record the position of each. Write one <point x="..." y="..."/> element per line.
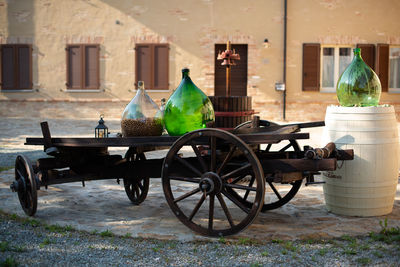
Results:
<point x="284" y="58"/>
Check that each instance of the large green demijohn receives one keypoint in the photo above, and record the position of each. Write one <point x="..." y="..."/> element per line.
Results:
<point x="358" y="86"/>
<point x="188" y="108"/>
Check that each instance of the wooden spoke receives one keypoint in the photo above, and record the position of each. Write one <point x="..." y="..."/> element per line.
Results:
<point x="188" y="165"/>
<point x="250" y="184"/>
<point x="197" y="207"/>
<point x="140" y="186"/>
<point x="225" y="209"/>
<point x="213" y="147"/>
<point x="188" y="194"/>
<point x="211" y="213"/>
<point x="235" y="172"/>
<point x="268" y="147"/>
<point x="198" y="154"/>
<point x="275" y="191"/>
<point x="185" y="179"/>
<point x="227" y="158"/>
<point x="285" y="147"/>
<point x="236" y="202"/>
<point x="237" y="179"/>
<point x="242" y="187"/>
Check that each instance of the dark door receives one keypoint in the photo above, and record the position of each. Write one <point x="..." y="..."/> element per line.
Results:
<point x="238" y="72"/>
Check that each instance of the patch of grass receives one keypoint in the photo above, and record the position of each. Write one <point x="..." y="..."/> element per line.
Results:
<point x="349" y="251"/>
<point x="8" y="262"/>
<point x="91" y="247"/>
<point x="4" y="246"/>
<point x="128" y="235"/>
<point x="172" y="244"/>
<point x="277" y="241"/>
<point x="156" y="249"/>
<point x="365" y="247"/>
<point x="289" y="246"/>
<point x="310" y="241"/>
<point x="19" y="249"/>
<point x="55" y="228"/>
<point x="31" y="222"/>
<point x="313" y="258"/>
<point x="347" y="238"/>
<point x="265" y="253"/>
<point x="94" y="232"/>
<point x="46" y="241"/>
<point x="284" y="252"/>
<point x="364" y="261"/>
<point x="14" y="216"/>
<point x="222" y="240"/>
<point x="106" y="233"/>
<point x="6" y="168"/>
<point x="246" y="241"/>
<point x="255" y="264"/>
<point x="323" y="251"/>
<point x="378" y="254"/>
<point x="387" y="234"/>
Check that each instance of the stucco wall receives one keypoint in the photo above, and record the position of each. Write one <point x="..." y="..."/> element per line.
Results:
<point x="192" y="28"/>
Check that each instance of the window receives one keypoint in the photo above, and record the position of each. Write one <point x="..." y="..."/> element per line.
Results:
<point x="322" y="67"/>
<point x="83" y="66"/>
<point x="152" y="62"/>
<point x="16" y="66"/>
<point x="394" y="69"/>
<point x="334" y="62"/>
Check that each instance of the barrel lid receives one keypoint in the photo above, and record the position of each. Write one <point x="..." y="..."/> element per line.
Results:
<point x="377" y="109"/>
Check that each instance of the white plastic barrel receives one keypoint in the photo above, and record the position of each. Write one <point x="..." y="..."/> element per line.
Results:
<point x="365" y="186"/>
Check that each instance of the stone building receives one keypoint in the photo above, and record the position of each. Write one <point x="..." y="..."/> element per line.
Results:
<point x="84" y="57"/>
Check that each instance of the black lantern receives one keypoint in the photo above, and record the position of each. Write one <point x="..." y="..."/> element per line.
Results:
<point x="101" y="130"/>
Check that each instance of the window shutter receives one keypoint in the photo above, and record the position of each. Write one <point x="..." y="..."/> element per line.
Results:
<point x="368" y="54"/>
<point x="74" y="67"/>
<point x="8" y="67"/>
<point x="144" y="65"/>
<point x="311" y="67"/>
<point x="161" y="62"/>
<point x="382" y="65"/>
<point x="92" y="66"/>
<point x="24" y="67"/>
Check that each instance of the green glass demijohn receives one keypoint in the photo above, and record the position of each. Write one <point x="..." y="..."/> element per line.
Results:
<point x="188" y="108"/>
<point x="358" y="86"/>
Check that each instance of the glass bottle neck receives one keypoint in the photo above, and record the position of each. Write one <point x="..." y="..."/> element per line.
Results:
<point x="185" y="74"/>
<point x="357" y="52"/>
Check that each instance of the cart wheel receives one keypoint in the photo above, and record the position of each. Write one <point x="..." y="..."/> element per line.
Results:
<point x="136" y="188"/>
<point x="276" y="194"/>
<point x="25" y="185"/>
<point x="196" y="187"/>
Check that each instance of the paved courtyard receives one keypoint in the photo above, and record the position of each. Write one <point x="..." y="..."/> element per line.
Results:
<point x="103" y="205"/>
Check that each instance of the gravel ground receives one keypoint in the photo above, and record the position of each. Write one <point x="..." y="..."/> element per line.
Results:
<point x="28" y="242"/>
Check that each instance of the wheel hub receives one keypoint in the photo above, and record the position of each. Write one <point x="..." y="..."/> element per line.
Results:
<point x="210" y="183"/>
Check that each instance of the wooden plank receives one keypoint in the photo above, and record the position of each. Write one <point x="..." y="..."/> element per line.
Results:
<point x="293" y="165"/>
<point x="257" y="138"/>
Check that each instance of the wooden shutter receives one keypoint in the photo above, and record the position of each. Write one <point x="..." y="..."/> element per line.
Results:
<point x="91" y="77"/>
<point x="144" y="64"/>
<point x="382" y="65"/>
<point x="8" y="66"/>
<point x="74" y="67"/>
<point x="160" y="66"/>
<point x="238" y="72"/>
<point x="368" y="54"/>
<point x="24" y="56"/>
<point x="311" y="67"/>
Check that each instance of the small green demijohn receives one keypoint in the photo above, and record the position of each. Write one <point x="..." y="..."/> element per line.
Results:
<point x="358" y="86"/>
<point x="188" y="108"/>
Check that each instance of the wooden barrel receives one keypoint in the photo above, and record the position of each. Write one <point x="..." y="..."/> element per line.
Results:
<point x="231" y="111"/>
<point x="365" y="186"/>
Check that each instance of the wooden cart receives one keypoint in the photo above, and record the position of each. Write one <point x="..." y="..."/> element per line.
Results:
<point x="214" y="181"/>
